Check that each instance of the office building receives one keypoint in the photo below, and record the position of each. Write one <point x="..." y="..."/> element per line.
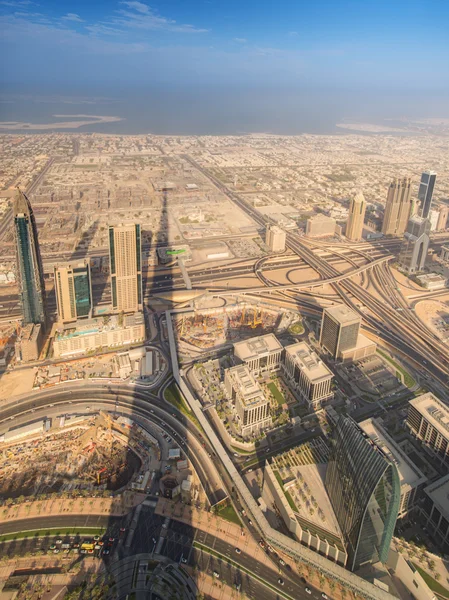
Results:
<point x="30" y="273"/>
<point x="397" y="208"/>
<point x="425" y="193"/>
<point x="260" y="354"/>
<point x="308" y="374"/>
<point x="339" y="329"/>
<point x="413" y="252"/>
<point x="93" y="335"/>
<point x="73" y="289"/>
<point x="435" y="511"/>
<point x="428" y="421"/>
<point x="444" y="254"/>
<point x="275" y="238"/>
<point x="443" y="216"/>
<point x="320" y="226"/>
<point x="356" y="218"/>
<point x="364" y="490"/>
<point x="251" y="406"/>
<point x="412" y="480"/>
<point x="125" y="265"/>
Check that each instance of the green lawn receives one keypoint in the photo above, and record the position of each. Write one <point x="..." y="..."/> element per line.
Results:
<point x="276" y="393"/>
<point x="434" y="585"/>
<point x="297" y="328"/>
<point x="173" y="395"/>
<point x="241" y="451"/>
<point x="408" y="379"/>
<point x="287" y="495"/>
<point x="52" y="532"/>
<point x="228" y="513"/>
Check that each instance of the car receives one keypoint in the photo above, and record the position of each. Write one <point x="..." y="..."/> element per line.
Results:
<point x="281" y="562"/>
<point x="52" y="547"/>
<point x="55" y="551"/>
<point x="184" y="560"/>
<point x="323" y="595"/>
<point x="82" y="551"/>
<point x="106" y="551"/>
<point x="111" y="539"/>
<point x="101" y="543"/>
<point x="217" y="575"/>
<point x="122" y="529"/>
<point x="154" y="540"/>
<point x="96" y="538"/>
<point x="250" y="522"/>
<point x="58" y="542"/>
<point x="308" y="590"/>
<point x="280" y="581"/>
<point x="236" y="455"/>
<point x="238" y="551"/>
<point x="164" y="525"/>
<point x="91" y="551"/>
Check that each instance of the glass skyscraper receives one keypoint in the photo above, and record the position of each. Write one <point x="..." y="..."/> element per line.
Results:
<point x="30" y="273"/>
<point x="126" y="269"/>
<point x="73" y="288"/>
<point x="364" y="489"/>
<point x="425" y="192"/>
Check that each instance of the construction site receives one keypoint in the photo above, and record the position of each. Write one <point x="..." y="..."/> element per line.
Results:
<point x="211" y="328"/>
<point x="72" y="454"/>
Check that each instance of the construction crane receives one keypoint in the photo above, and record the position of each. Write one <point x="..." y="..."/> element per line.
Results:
<point x="257" y="319"/>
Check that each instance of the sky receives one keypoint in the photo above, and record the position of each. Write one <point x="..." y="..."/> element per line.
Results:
<point x="385" y="44"/>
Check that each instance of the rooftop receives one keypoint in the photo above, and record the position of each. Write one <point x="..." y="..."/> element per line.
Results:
<point x="343" y="314"/>
<point x="308" y="361"/>
<point x="248" y="389"/>
<point x="439" y="493"/>
<point x="99" y="325"/>
<point x="409" y="474"/>
<point x="257" y="347"/>
<point x="434" y="411"/>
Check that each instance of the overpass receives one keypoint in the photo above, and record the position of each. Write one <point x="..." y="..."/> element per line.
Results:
<point x="300" y="286"/>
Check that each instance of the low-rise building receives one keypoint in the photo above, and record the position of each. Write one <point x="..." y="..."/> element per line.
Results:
<point x="260" y="354"/>
<point x="320" y="226"/>
<point x="444" y="255"/>
<point x="308" y="374"/>
<point x="363" y="348"/>
<point x="435" y="509"/>
<point x="432" y="281"/>
<point x="428" y="421"/>
<point x="251" y="405"/>
<point x="412" y="480"/>
<point x="29" y="344"/>
<point x="91" y="335"/>
<point x="275" y="238"/>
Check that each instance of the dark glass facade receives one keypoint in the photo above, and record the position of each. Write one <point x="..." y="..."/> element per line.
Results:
<point x="364" y="490"/>
<point x="425" y="192"/>
<point x="29" y="263"/>
<point x="83" y="299"/>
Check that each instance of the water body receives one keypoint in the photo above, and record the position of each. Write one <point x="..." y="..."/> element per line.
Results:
<point x="199" y="110"/>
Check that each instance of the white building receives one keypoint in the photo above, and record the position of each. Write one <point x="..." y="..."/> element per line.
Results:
<point x="428" y="421"/>
<point x="308" y="374"/>
<point x="260" y="354"/>
<point x="275" y="238"/>
<point x="252" y="408"/>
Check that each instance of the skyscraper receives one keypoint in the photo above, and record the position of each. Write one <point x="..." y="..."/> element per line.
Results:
<point x="30" y="273"/>
<point x="364" y="489"/>
<point x="425" y="192"/>
<point x="73" y="288"/>
<point x="125" y="264"/>
<point x="354" y="226"/>
<point x="413" y="253"/>
<point x="339" y="329"/>
<point x="397" y="208"/>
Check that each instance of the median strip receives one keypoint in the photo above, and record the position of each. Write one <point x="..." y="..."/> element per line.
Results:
<point x="52" y="531"/>
<point x="213" y="552"/>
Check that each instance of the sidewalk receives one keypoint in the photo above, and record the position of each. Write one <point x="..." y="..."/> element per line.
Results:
<point x="71" y="506"/>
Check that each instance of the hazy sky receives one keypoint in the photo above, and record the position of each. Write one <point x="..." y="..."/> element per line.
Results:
<point x="391" y="43"/>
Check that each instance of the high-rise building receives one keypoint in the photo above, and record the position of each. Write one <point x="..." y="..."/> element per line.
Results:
<point x="425" y="192"/>
<point x="30" y="274"/>
<point x="125" y="263"/>
<point x="356" y="218"/>
<point x="339" y="329"/>
<point x="275" y="238"/>
<point x="364" y="490"/>
<point x="397" y="208"/>
<point x="73" y="289"/>
<point x="261" y="354"/>
<point x="443" y="216"/>
<point x="320" y="226"/>
<point x="413" y="253"/>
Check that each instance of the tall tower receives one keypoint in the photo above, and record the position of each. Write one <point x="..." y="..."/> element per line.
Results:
<point x="425" y="192"/>
<point x="365" y="492"/>
<point x="73" y="288"/>
<point x="413" y="252"/>
<point x="397" y="208"/>
<point x="340" y="327"/>
<point x="29" y="263"/>
<point x="354" y="226"/>
<point x="125" y="264"/>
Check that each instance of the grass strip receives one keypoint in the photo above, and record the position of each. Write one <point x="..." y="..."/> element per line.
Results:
<point x="240" y="451"/>
<point x="52" y="531"/>
<point x="408" y="379"/>
<point x="228" y="513"/>
<point x="434" y="585"/>
<point x="287" y="494"/>
<point x="276" y="393"/>
<point x="244" y="569"/>
<point x="173" y="395"/>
